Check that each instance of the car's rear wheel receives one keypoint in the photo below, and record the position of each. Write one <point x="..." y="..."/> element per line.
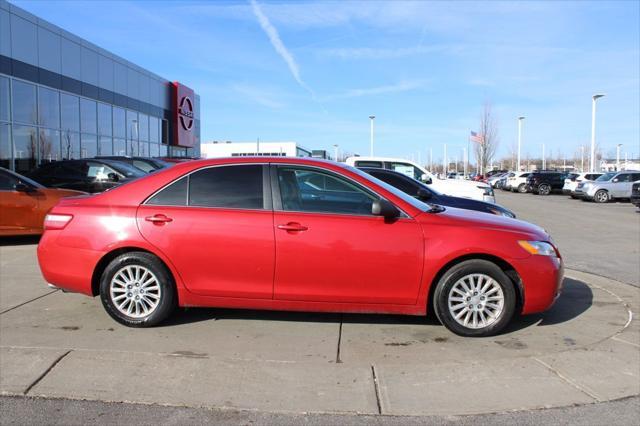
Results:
<point x="475" y="298"/>
<point x="544" y="189"/>
<point x="601" y="196"/>
<point x="137" y="290"/>
<point x="522" y="188"/>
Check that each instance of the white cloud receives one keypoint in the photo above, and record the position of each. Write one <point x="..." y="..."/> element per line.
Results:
<point x="403" y="86"/>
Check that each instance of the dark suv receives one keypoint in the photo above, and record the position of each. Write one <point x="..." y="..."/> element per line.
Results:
<point x="545" y="182"/>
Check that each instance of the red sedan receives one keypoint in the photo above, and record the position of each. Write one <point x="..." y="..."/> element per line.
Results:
<point x="294" y="234"/>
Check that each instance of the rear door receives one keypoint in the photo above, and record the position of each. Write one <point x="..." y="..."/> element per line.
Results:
<point x="216" y="227"/>
<point x="332" y="249"/>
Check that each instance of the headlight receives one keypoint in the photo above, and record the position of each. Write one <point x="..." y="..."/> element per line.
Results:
<point x="538" y="247"/>
<point x="499" y="212"/>
<point x="487" y="190"/>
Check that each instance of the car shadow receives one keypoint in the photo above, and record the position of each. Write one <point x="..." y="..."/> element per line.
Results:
<point x="19" y="240"/>
<point x="576" y="298"/>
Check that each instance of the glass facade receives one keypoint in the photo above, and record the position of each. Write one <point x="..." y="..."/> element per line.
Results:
<point x="39" y="124"/>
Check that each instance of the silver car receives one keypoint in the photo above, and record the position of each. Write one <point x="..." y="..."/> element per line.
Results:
<point x="608" y="187"/>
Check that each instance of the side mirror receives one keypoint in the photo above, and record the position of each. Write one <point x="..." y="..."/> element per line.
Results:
<point x="423" y="194"/>
<point x="385" y="209"/>
<point x="21" y="187"/>
<point x="425" y="178"/>
<point x="113" y="177"/>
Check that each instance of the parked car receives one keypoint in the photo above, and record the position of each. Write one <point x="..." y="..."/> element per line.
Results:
<point x="237" y="232"/>
<point x="545" y="182"/>
<point x="518" y="182"/>
<point x="89" y="175"/>
<point x="455" y="187"/>
<point x="635" y="194"/>
<point x="145" y="164"/>
<point x="573" y="179"/>
<point x="500" y="183"/>
<point x="493" y="180"/>
<point x="24" y="203"/>
<point x="425" y="194"/>
<point x="609" y="186"/>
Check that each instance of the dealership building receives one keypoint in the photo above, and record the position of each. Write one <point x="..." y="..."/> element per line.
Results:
<point x="62" y="97"/>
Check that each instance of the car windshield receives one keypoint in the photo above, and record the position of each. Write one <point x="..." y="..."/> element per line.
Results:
<point x="405" y="197"/>
<point x="606" y="177"/>
<point x="125" y="169"/>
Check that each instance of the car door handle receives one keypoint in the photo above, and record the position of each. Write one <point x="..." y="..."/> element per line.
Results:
<point x="292" y="227"/>
<point x="158" y="219"/>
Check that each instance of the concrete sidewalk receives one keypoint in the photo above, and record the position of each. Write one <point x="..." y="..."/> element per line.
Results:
<point x="586" y="349"/>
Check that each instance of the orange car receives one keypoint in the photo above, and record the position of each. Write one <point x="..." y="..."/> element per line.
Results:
<point x="24" y="203"/>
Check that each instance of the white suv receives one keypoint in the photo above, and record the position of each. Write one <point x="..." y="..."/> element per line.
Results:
<point x="518" y="182"/>
<point x="572" y="181"/>
<point x="455" y="187"/>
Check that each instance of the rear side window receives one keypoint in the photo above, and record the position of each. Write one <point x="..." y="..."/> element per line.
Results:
<point x="398" y="182"/>
<point x="173" y="195"/>
<point x="237" y="187"/>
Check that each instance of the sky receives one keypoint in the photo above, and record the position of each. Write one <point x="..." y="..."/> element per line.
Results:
<point x="314" y="71"/>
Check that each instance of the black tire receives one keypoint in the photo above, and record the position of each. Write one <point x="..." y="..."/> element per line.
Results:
<point x="166" y="293"/>
<point x="544" y="189"/>
<point x="452" y="276"/>
<point x="601" y="196"/>
<point x="522" y="188"/>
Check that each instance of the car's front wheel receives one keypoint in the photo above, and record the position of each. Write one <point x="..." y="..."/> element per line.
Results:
<point x="137" y="290"/>
<point x="601" y="196"/>
<point x="544" y="189"/>
<point x="475" y="298"/>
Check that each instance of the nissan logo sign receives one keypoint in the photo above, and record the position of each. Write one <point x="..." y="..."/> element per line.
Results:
<point x="185" y="112"/>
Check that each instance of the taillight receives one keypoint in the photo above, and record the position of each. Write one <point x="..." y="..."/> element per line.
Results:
<point x="57" y="221"/>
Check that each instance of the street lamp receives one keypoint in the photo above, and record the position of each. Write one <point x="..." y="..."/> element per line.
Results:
<point x="335" y="152"/>
<point x="618" y="156"/>
<point x="592" y="164"/>
<point x="371" y="118"/>
<point x="519" y="138"/>
<point x="582" y="158"/>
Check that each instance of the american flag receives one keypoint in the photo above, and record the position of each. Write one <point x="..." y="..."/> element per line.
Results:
<point x="477" y="138"/>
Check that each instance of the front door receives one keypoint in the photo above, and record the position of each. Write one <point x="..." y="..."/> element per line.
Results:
<point x="216" y="226"/>
<point x="330" y="248"/>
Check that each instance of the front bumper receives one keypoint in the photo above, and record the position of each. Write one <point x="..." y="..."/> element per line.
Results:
<point x="541" y="278"/>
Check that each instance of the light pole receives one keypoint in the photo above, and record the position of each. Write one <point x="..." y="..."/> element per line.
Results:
<point x="445" y="161"/>
<point x="134" y="125"/>
<point x="592" y="164"/>
<point x="371" y="118"/>
<point x="519" y="138"/>
<point x="582" y="158"/>
<point x="464" y="153"/>
<point x="335" y="152"/>
<point x="618" y="156"/>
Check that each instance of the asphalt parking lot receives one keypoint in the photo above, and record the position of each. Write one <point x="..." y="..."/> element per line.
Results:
<point x="585" y="350"/>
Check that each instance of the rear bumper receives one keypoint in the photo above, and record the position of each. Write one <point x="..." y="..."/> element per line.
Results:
<point x="66" y="268"/>
<point x="541" y="278"/>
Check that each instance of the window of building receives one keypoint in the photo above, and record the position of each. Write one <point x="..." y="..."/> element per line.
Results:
<point x="88" y="146"/>
<point x="105" y="146"/>
<point x="165" y="132"/>
<point x="238" y="187"/>
<point x="4" y="99"/>
<point x="70" y="113"/>
<point x="119" y="123"/>
<point x="104" y="119"/>
<point x="173" y="195"/>
<point x="25" y="140"/>
<point x="24" y="102"/>
<point x="143" y="127"/>
<point x="49" y="146"/>
<point x="154" y="150"/>
<point x="48" y="108"/>
<point x="143" y="149"/>
<point x="154" y="129"/>
<point x="88" y="116"/>
<point x="5" y="146"/>
<point x="70" y="145"/>
<point x="133" y="131"/>
<point x="164" y="151"/>
<point x="313" y="191"/>
<point x="119" y="147"/>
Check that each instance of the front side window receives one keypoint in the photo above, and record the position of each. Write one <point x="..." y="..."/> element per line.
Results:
<point x="236" y="187"/>
<point x="623" y="177"/>
<point x="406" y="169"/>
<point x="309" y="190"/>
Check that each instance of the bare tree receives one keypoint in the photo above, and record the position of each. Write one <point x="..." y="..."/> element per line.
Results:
<point x="489" y="131"/>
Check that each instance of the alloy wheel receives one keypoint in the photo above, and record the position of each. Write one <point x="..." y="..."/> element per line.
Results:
<point x="135" y="291"/>
<point x="476" y="301"/>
